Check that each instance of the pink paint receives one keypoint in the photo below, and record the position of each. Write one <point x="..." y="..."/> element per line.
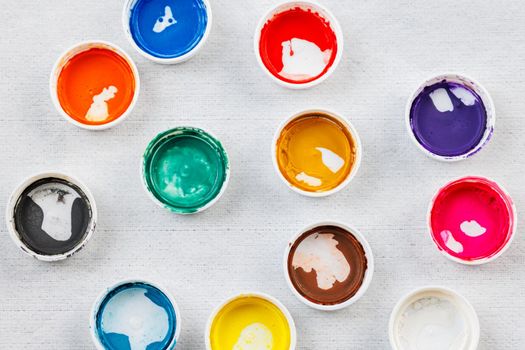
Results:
<point x="472" y="219"/>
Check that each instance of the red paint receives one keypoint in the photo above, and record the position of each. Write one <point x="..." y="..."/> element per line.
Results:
<point x="295" y="23"/>
<point x="468" y="199"/>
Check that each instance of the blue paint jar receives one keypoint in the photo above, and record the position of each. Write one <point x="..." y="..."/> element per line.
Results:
<point x="135" y="314"/>
<point x="167" y="31"/>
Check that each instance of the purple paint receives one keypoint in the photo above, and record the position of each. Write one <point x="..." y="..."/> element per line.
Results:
<point x="448" y="119"/>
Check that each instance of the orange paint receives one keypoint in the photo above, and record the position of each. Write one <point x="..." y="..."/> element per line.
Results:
<point x="316" y="152"/>
<point x="85" y="76"/>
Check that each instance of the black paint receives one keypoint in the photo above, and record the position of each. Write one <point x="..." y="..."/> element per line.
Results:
<point x="29" y="218"/>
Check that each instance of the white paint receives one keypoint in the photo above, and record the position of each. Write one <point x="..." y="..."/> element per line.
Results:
<point x="133" y="314"/>
<point x="309" y="180"/>
<point x="165" y="21"/>
<point x="441" y="100"/>
<point x="319" y="252"/>
<point x="432" y="323"/>
<point x="98" y="111"/>
<point x="464" y="95"/>
<point x="450" y="242"/>
<point x="56" y="201"/>
<point x="303" y="59"/>
<point x="255" y="337"/>
<point x="472" y="228"/>
<point x="331" y="159"/>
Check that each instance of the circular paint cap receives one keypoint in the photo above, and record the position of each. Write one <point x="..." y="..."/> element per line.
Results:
<point x="167" y="31"/>
<point x="316" y="152"/>
<point x="328" y="265"/>
<point x="94" y="85"/>
<point x="51" y="216"/>
<point x="472" y="220"/>
<point x="298" y="44"/>
<point x="434" y="318"/>
<point x="251" y="321"/>
<point x="135" y="314"/>
<point x="450" y="117"/>
<point x="185" y="170"/>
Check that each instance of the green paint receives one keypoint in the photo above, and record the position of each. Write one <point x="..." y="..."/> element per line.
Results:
<point x="185" y="169"/>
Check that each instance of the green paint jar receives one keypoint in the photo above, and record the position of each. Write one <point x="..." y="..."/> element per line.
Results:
<point x="185" y="170"/>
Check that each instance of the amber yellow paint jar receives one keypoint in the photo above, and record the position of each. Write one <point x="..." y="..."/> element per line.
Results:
<point x="251" y="321"/>
<point x="316" y="152"/>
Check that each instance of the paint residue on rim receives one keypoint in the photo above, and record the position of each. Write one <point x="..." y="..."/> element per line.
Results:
<point x="316" y="152"/>
<point x="298" y="45"/>
<point x="250" y="322"/>
<point x="136" y="316"/>
<point x="168" y="29"/>
<point x="96" y="86"/>
<point x="53" y="216"/>
<point x="448" y="119"/>
<point x="185" y="169"/>
<point x="472" y="219"/>
<point x="327" y="265"/>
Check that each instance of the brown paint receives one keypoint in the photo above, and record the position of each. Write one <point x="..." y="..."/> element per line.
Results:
<point x="306" y="283"/>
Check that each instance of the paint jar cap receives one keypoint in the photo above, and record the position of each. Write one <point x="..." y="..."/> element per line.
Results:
<point x="439" y="304"/>
<point x="352" y="255"/>
<point x="476" y="92"/>
<point x="159" y="297"/>
<point x="51" y="216"/>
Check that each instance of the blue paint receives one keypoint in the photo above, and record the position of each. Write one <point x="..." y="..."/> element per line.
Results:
<point x="168" y="36"/>
<point x="131" y="292"/>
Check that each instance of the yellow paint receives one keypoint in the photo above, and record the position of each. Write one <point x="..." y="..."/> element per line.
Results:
<point x="231" y="328"/>
<point x="300" y="149"/>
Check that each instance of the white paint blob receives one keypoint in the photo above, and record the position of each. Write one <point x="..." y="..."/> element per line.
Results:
<point x="255" y="337"/>
<point x="134" y="315"/>
<point x="441" y="100"/>
<point x="309" y="180"/>
<point x="165" y="21"/>
<point x="303" y="59"/>
<point x="319" y="252"/>
<point x="464" y="95"/>
<point x="98" y="111"/>
<point x="331" y="159"/>
<point x="56" y="201"/>
<point x="450" y="242"/>
<point x="472" y="228"/>
<point x="432" y="323"/>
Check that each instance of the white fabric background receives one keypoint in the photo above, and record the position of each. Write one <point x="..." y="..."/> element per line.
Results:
<point x="238" y="245"/>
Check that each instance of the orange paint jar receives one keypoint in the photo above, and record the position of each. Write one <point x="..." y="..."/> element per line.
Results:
<point x="317" y="152"/>
<point x="95" y="85"/>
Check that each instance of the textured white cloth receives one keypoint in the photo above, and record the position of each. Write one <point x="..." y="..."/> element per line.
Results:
<point x="238" y="244"/>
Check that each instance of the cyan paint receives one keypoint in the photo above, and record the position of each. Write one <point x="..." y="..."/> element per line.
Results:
<point x="168" y="28"/>
<point x="185" y="169"/>
<point x="119" y="307"/>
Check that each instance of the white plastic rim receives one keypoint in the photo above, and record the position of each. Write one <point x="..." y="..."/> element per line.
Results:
<point x="13" y="200"/>
<point x="280" y="306"/>
<point x="210" y="203"/>
<point x="476" y="87"/>
<point x="350" y="128"/>
<point x="368" y="274"/>
<point x="502" y="191"/>
<point x="105" y="292"/>
<point x="326" y="14"/>
<point x="461" y="302"/>
<point x="126" y="14"/>
<point x="75" y="50"/>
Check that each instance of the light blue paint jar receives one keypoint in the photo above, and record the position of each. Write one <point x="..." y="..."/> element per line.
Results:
<point x="135" y="315"/>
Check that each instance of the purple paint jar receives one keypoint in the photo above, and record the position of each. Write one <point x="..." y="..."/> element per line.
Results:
<point x="450" y="117"/>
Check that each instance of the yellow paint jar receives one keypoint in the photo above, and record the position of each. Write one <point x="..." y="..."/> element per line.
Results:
<point x="317" y="152"/>
<point x="251" y="321"/>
